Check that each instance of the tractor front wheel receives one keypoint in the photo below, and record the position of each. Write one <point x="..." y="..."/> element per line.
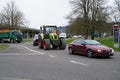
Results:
<point x="46" y="44"/>
<point x="62" y="44"/>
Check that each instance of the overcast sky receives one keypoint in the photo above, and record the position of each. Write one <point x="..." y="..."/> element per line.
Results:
<point x="42" y="12"/>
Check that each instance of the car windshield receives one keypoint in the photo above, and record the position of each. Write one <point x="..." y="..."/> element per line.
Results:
<point x="92" y="42"/>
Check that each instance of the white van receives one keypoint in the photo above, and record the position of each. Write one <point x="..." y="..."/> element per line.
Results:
<point x="62" y="35"/>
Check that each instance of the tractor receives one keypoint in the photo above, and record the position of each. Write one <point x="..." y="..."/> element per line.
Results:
<point x="49" y="38"/>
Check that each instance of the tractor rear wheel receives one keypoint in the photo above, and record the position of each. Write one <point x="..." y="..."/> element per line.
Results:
<point x="46" y="44"/>
<point x="40" y="42"/>
<point x="62" y="44"/>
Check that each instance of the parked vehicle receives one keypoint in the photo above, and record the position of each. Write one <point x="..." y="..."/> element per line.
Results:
<point x="63" y="35"/>
<point x="35" y="40"/>
<point x="91" y="48"/>
<point x="49" y="38"/>
<point x="11" y="36"/>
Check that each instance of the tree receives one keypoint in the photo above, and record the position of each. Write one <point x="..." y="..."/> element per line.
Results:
<point x="92" y="13"/>
<point x="116" y="11"/>
<point x="81" y="9"/>
<point x="76" y="28"/>
<point x="12" y="17"/>
<point x="98" y="16"/>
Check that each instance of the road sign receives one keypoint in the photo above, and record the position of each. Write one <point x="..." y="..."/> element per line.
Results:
<point x="116" y="36"/>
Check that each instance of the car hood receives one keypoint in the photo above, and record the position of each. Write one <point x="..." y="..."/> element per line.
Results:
<point x="101" y="47"/>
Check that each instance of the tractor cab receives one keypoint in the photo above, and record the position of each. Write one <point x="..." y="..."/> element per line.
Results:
<point x="48" y="30"/>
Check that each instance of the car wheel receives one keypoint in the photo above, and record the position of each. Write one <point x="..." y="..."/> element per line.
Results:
<point x="89" y="54"/>
<point x="70" y="51"/>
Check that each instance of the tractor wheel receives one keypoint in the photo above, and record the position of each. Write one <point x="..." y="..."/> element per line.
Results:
<point x="40" y="42"/>
<point x="46" y="44"/>
<point x="62" y="44"/>
<point x="55" y="47"/>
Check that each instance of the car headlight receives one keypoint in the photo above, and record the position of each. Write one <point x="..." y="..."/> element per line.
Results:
<point x="99" y="50"/>
<point x="112" y="50"/>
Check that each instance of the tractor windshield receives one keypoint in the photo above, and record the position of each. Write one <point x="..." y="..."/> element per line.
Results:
<point x="50" y="29"/>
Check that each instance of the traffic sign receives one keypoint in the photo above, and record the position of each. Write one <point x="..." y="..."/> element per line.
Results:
<point x="116" y="36"/>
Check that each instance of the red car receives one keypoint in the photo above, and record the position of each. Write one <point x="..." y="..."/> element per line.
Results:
<point x="90" y="48"/>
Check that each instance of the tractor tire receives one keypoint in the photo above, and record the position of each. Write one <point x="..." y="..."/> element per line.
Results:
<point x="62" y="44"/>
<point x="55" y="47"/>
<point x="40" y="42"/>
<point x="46" y="44"/>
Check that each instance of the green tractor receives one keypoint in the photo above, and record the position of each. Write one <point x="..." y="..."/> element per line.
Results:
<point x="49" y="38"/>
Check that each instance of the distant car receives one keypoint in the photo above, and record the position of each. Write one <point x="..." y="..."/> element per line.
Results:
<point x="35" y="40"/>
<point x="75" y="36"/>
<point x="62" y="35"/>
<point x="90" y="48"/>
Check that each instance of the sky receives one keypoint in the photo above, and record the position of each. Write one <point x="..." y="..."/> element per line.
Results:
<point x="43" y="12"/>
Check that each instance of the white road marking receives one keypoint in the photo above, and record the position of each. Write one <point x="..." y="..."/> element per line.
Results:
<point x="7" y="78"/>
<point x="17" y="54"/>
<point x="33" y="50"/>
<point x="78" y="63"/>
<point x="51" y="56"/>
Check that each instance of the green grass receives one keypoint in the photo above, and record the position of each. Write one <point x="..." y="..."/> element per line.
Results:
<point x="3" y="47"/>
<point x="108" y="41"/>
<point x="27" y="40"/>
<point x="70" y="40"/>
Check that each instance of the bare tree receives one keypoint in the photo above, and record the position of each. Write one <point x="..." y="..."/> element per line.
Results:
<point x="116" y="12"/>
<point x="92" y="13"/>
<point x="117" y="2"/>
<point x="98" y="16"/>
<point x="81" y="9"/>
<point x="12" y="16"/>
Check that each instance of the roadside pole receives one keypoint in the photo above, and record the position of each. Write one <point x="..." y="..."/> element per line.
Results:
<point x="116" y="36"/>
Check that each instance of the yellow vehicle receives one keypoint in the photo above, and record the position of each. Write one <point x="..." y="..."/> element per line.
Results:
<point x="49" y="38"/>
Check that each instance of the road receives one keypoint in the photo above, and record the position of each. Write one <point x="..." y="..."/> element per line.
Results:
<point x="28" y="62"/>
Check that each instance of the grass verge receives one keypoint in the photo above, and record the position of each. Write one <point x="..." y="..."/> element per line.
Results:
<point x="3" y="47"/>
<point x="69" y="40"/>
<point x="27" y="40"/>
<point x="108" y="41"/>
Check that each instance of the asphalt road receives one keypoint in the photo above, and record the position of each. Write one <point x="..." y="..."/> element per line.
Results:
<point x="28" y="62"/>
